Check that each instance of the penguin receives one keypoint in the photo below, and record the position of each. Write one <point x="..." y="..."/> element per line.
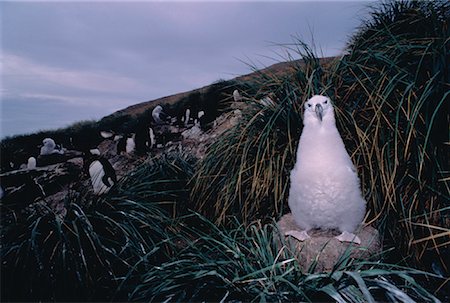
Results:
<point x="142" y="137"/>
<point x="201" y="119"/>
<point x="102" y="174"/>
<point x="121" y="145"/>
<point x="131" y="144"/>
<point x="152" y="137"/>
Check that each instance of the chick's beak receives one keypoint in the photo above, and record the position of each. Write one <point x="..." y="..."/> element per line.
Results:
<point x="319" y="111"/>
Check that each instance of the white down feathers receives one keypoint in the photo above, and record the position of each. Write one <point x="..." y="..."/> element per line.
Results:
<point x="325" y="191"/>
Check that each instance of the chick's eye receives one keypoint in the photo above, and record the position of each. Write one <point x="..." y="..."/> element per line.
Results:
<point x="309" y="105"/>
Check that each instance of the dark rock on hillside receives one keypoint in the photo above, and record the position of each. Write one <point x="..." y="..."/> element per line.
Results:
<point x="45" y="160"/>
<point x="23" y="187"/>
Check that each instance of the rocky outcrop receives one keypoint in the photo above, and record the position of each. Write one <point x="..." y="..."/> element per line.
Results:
<point x="23" y="187"/>
<point x="323" y="251"/>
<point x="57" y="176"/>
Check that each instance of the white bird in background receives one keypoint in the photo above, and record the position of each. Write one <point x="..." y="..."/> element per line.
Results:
<point x="31" y="164"/>
<point x="49" y="147"/>
<point x="200" y="122"/>
<point x="159" y="116"/>
<point x="152" y="137"/>
<point x="131" y="145"/>
<point x="325" y="189"/>
<point x="237" y="96"/>
<point x="106" y="134"/>
<point x="186" y="117"/>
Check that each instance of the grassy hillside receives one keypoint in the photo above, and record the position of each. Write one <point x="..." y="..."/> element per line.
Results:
<point x="84" y="135"/>
<point x="183" y="229"/>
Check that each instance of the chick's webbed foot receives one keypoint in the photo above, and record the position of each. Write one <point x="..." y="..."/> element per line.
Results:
<point x="348" y="237"/>
<point x="299" y="235"/>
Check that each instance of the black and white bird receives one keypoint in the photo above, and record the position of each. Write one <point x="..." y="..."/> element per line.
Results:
<point x="121" y="144"/>
<point x="126" y="144"/>
<point x="325" y="189"/>
<point x="131" y="144"/>
<point x="200" y="122"/>
<point x="102" y="174"/>
<point x="151" y="135"/>
<point x="159" y="116"/>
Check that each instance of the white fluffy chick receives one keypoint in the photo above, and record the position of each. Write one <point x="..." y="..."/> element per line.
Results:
<point x="325" y="189"/>
<point x="31" y="164"/>
<point x="159" y="116"/>
<point x="49" y="147"/>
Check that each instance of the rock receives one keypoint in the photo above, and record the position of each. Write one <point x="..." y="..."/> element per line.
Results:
<point x="46" y="160"/>
<point x="192" y="133"/>
<point x="324" y="249"/>
<point x="23" y="187"/>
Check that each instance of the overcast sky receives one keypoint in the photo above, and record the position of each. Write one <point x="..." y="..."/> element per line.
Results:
<point x="63" y="62"/>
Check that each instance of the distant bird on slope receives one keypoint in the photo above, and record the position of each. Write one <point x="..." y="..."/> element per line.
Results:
<point x="106" y="134"/>
<point x="152" y="137"/>
<point x="325" y="191"/>
<point x="237" y="96"/>
<point x="31" y="164"/>
<point x="49" y="147"/>
<point x="187" y="117"/>
<point x="159" y="116"/>
<point x="121" y="144"/>
<point x="131" y="144"/>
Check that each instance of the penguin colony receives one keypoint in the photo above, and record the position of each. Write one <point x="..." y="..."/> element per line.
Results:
<point x="100" y="170"/>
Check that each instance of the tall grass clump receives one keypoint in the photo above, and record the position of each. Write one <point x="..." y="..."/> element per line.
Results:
<point x="393" y="90"/>
<point x="245" y="171"/>
<point x="390" y="92"/>
<point x="81" y="256"/>
<point x="250" y="263"/>
<point x="162" y="179"/>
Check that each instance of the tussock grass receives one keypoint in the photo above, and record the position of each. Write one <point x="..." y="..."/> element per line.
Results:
<point x="79" y="257"/>
<point x="393" y="90"/>
<point x="249" y="263"/>
<point x="390" y="93"/>
<point x="161" y="179"/>
<point x="391" y="97"/>
<point x="245" y="171"/>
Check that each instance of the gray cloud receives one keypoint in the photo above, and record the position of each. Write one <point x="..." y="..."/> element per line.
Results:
<point x="87" y="54"/>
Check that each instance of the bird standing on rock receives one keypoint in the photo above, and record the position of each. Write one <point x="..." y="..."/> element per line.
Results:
<point x="159" y="116"/>
<point x="325" y="191"/>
